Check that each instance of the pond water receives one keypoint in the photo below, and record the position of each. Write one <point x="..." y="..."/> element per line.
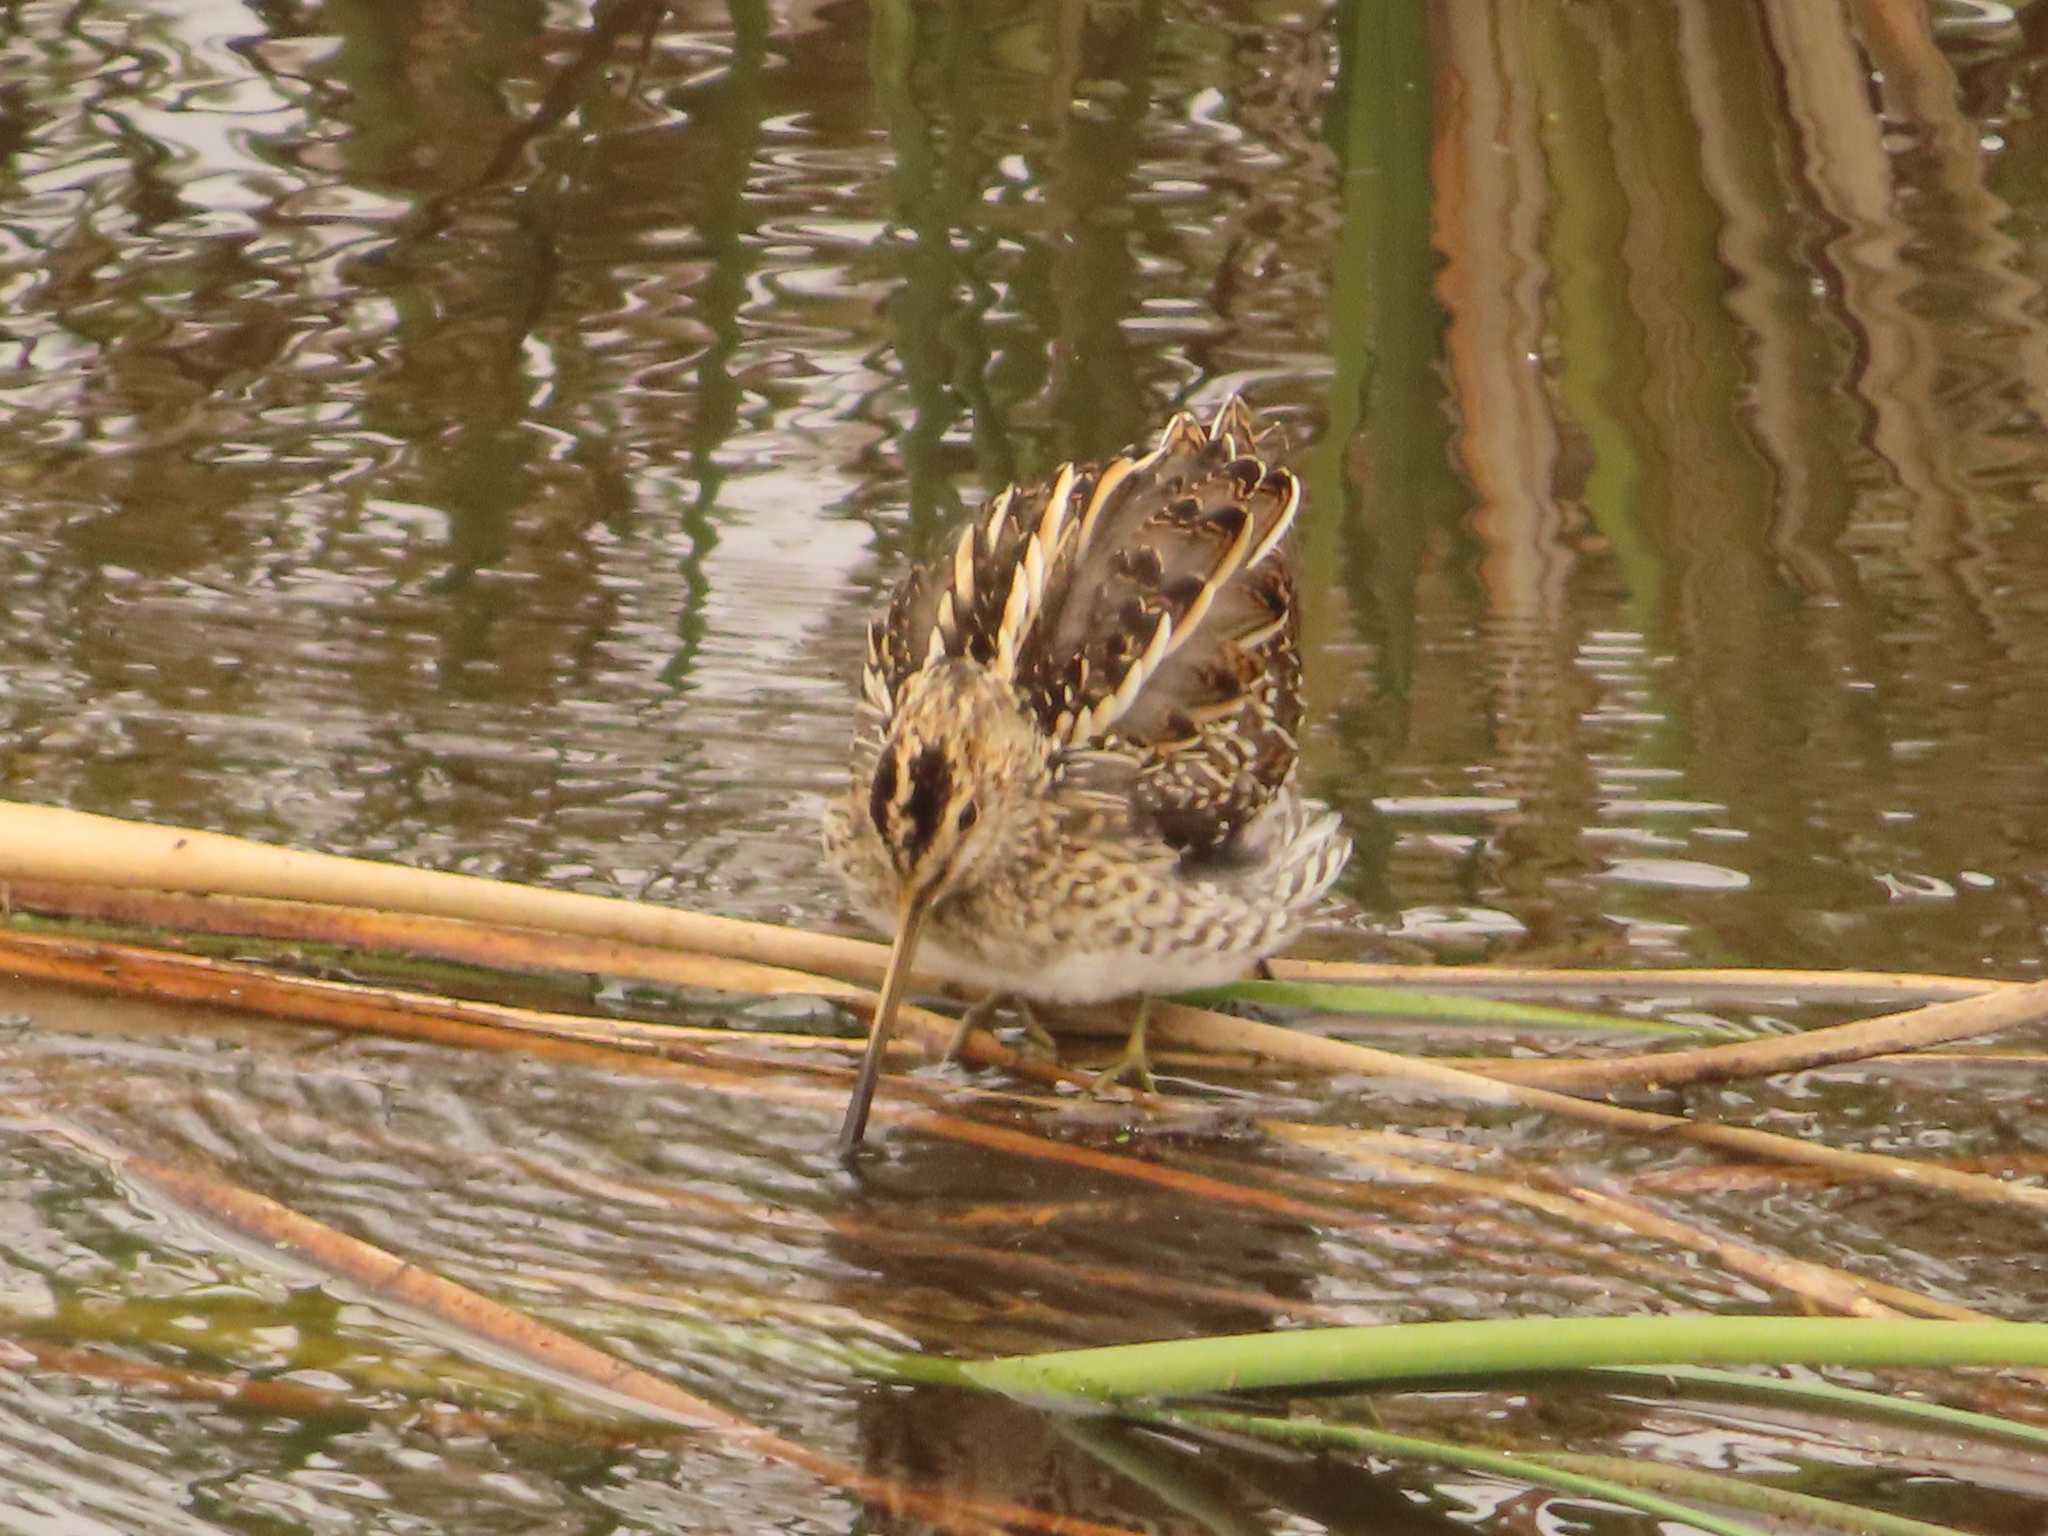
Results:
<point x="475" y="435"/>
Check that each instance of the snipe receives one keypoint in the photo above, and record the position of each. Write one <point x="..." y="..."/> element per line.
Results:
<point x="1073" y="771"/>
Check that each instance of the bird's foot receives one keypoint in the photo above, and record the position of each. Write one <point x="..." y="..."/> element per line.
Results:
<point x="1132" y="1062"/>
<point x="982" y="1015"/>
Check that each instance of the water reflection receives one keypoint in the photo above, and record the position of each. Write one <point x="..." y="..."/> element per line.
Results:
<point x="477" y="437"/>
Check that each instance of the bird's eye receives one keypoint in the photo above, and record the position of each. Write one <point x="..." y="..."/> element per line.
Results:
<point x="970" y="813"/>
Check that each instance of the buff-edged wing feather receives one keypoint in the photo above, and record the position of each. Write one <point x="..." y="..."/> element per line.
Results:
<point x="1172" y="640"/>
<point x="986" y="595"/>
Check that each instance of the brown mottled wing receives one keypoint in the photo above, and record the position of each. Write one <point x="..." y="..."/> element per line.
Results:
<point x="1144" y="607"/>
<point x="1167" y="629"/>
<point x="981" y="591"/>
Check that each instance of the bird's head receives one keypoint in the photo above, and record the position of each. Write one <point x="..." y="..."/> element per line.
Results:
<point x="948" y="793"/>
<point x="960" y="759"/>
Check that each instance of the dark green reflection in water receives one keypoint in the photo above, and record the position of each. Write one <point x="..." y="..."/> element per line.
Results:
<point x="1380" y="479"/>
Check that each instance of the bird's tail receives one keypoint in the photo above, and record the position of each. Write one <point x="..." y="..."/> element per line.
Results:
<point x="1311" y="852"/>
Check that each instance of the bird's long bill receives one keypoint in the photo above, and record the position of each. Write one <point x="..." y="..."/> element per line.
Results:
<point x="893" y="978"/>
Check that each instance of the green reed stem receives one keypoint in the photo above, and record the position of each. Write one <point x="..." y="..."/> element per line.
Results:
<point x="1322" y="1357"/>
<point x="1412" y="1003"/>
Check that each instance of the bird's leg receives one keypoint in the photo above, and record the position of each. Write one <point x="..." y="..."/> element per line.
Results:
<point x="980" y="1015"/>
<point x="1132" y="1062"/>
<point x="976" y="1017"/>
<point x="1036" y="1032"/>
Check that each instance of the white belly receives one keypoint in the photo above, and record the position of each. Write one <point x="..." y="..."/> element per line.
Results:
<point x="1086" y="976"/>
<point x="1072" y="974"/>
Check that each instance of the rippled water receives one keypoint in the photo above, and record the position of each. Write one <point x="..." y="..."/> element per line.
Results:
<point x="474" y="436"/>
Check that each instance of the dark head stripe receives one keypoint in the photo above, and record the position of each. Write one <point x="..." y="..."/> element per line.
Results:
<point x="882" y="792"/>
<point x="931" y="781"/>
